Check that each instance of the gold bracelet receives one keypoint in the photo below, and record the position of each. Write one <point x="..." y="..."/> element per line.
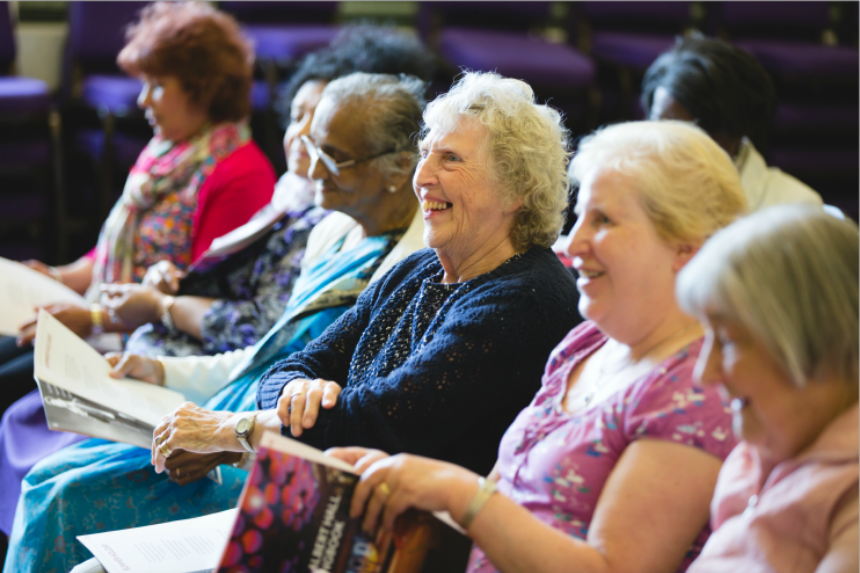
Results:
<point x="486" y="489"/>
<point x="96" y="317"/>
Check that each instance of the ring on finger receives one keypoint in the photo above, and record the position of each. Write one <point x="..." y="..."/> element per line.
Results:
<point x="384" y="490"/>
<point x="165" y="450"/>
<point x="159" y="439"/>
<point x="295" y="394"/>
<point x="178" y="471"/>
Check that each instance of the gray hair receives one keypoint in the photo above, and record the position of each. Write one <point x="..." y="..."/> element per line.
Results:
<point x="689" y="186"/>
<point x="527" y="147"/>
<point x="392" y="108"/>
<point x="789" y="274"/>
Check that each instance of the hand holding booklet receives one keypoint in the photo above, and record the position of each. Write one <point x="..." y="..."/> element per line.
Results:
<point x="22" y="290"/>
<point x="293" y="516"/>
<point x="80" y="396"/>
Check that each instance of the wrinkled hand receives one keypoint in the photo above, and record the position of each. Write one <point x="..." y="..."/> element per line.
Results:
<point x="39" y="267"/>
<point x="193" y="429"/>
<point x="133" y="304"/>
<point x="76" y="318"/>
<point x="411" y="482"/>
<point x="186" y="467"/>
<point x="163" y="276"/>
<point x="358" y="457"/>
<point x="300" y="401"/>
<point x="141" y="368"/>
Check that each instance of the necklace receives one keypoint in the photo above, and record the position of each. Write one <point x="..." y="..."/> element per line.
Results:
<point x="603" y="377"/>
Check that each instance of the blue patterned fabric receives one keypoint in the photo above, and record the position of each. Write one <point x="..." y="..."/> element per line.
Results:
<point x="99" y="486"/>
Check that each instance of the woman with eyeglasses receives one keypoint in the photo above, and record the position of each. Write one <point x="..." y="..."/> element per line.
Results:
<point x="376" y="223"/>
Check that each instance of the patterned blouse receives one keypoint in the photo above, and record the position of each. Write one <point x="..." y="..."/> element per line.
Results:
<point x="251" y="288"/>
<point x="555" y="464"/>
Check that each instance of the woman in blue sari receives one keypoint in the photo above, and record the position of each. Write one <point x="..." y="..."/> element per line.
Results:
<point x="99" y="485"/>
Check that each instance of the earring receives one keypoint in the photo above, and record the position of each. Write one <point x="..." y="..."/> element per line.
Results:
<point x="392" y="189"/>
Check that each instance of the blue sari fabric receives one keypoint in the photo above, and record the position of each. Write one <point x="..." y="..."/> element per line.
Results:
<point x="98" y="485"/>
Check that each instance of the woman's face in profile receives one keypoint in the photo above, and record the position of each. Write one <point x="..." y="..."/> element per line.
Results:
<point x="768" y="410"/>
<point x="302" y="110"/>
<point x="626" y="271"/>
<point x="169" y="109"/>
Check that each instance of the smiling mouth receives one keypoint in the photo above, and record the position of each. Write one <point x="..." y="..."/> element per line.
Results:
<point x="435" y="206"/>
<point x="589" y="274"/>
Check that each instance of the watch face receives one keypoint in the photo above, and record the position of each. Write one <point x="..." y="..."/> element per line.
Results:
<point x="242" y="426"/>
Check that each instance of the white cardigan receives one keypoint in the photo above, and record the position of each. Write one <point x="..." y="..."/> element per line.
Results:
<point x="767" y="186"/>
<point x="201" y="377"/>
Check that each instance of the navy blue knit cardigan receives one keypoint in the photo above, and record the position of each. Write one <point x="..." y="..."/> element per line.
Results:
<point x="467" y="376"/>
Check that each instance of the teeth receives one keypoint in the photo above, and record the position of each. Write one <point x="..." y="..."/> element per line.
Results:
<point x="589" y="274"/>
<point x="738" y="404"/>
<point x="434" y="206"/>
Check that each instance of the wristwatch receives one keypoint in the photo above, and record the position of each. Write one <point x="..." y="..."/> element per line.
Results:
<point x="243" y="430"/>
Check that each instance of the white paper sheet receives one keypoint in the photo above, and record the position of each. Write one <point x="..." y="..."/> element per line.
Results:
<point x="185" y="546"/>
<point x="68" y="362"/>
<point x="22" y="289"/>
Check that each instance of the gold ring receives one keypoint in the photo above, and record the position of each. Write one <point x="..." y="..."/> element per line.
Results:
<point x="384" y="490"/>
<point x="177" y="472"/>
<point x="160" y="438"/>
<point x="296" y="394"/>
<point x="165" y="450"/>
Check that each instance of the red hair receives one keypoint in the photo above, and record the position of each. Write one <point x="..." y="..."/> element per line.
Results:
<point x="199" y="45"/>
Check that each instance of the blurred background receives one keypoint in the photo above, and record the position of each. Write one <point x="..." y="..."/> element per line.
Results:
<point x="70" y="128"/>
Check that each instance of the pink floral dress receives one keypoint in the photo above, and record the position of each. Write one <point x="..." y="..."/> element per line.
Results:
<point x="555" y="464"/>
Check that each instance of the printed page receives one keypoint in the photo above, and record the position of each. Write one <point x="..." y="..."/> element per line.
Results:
<point x="65" y="360"/>
<point x="22" y="289"/>
<point x="185" y="546"/>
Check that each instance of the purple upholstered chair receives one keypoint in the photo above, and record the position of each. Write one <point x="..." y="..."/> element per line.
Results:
<point x="816" y="124"/>
<point x="503" y="37"/>
<point x="631" y="34"/>
<point x="92" y="79"/>
<point x="28" y="149"/>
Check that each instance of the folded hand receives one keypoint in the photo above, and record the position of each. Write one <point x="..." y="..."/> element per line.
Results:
<point x="300" y="401"/>
<point x="186" y="467"/>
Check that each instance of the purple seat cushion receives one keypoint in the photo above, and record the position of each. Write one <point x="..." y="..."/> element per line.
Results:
<point x="23" y="96"/>
<point x="631" y="50"/>
<point x="517" y="55"/>
<point x="24" y="154"/>
<point x="126" y="148"/>
<point x="289" y="42"/>
<point x="803" y="60"/>
<point x="116" y="93"/>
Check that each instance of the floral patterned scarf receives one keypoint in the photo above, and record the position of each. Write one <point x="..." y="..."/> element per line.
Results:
<point x="164" y="168"/>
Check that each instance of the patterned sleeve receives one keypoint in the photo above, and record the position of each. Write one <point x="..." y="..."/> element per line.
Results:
<point x="671" y="406"/>
<point x="232" y="324"/>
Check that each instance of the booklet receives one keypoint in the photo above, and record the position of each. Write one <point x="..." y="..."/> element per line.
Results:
<point x="186" y="546"/>
<point x="80" y="396"/>
<point x="294" y="516"/>
<point x="24" y="289"/>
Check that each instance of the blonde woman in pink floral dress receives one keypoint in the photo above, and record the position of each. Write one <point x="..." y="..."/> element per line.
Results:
<point x="612" y="466"/>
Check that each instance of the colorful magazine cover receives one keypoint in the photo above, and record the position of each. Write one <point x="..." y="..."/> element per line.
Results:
<point x="294" y="517"/>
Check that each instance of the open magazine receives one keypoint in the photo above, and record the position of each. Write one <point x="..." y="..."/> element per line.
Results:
<point x="80" y="396"/>
<point x="22" y="289"/>
<point x="293" y="516"/>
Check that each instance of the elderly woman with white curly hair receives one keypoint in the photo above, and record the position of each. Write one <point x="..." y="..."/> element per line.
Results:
<point x="612" y="465"/>
<point x="438" y="356"/>
<point x="777" y="294"/>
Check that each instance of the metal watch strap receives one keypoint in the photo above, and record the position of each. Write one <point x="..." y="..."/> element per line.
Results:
<point x="166" y="318"/>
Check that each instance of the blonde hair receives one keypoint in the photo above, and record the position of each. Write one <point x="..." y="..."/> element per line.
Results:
<point x="527" y="146"/>
<point x="789" y="274"/>
<point x="689" y="186"/>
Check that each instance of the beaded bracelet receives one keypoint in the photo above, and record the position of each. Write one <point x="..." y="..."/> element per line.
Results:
<point x="486" y="489"/>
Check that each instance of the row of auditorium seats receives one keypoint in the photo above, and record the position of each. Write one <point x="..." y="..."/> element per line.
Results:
<point x="588" y="58"/>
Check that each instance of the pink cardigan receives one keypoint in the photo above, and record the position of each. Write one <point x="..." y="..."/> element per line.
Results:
<point x="787" y="524"/>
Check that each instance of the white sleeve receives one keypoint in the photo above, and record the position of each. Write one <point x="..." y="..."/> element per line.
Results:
<point x="200" y="377"/>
